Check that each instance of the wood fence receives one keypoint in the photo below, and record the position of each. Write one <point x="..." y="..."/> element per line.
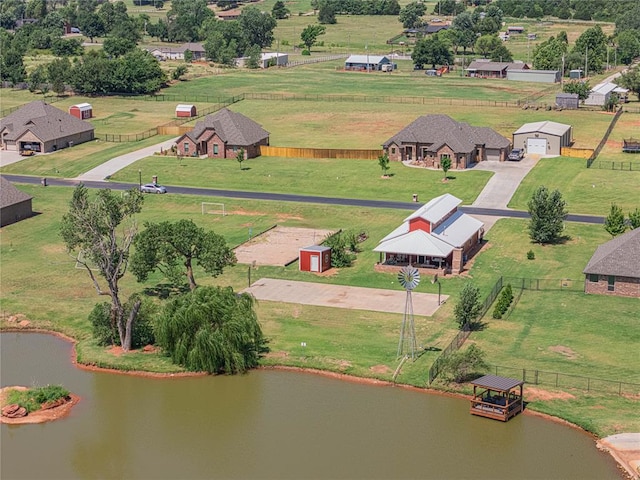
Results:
<point x="576" y="152"/>
<point x="292" y="152"/>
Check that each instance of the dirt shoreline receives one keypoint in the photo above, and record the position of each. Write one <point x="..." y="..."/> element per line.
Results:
<point x="621" y="457"/>
<point x="39" y="416"/>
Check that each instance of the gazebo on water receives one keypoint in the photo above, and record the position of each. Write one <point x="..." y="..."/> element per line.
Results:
<point x="496" y="397"/>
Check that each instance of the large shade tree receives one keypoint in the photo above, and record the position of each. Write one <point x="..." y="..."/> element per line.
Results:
<point x="175" y="248"/>
<point x="99" y="231"/>
<point x="547" y="210"/>
<point x="211" y="329"/>
<point x="431" y="50"/>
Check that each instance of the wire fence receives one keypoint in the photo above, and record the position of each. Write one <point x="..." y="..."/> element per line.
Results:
<point x="611" y="165"/>
<point x="545" y="284"/>
<point x="566" y="381"/>
<point x="307" y="61"/>
<point x="604" y="139"/>
<point x="131" y="137"/>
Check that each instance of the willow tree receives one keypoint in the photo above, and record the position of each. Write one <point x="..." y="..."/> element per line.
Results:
<point x="99" y="232"/>
<point x="211" y="329"/>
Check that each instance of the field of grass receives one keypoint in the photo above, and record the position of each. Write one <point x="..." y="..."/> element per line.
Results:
<point x="628" y="126"/>
<point x="586" y="190"/>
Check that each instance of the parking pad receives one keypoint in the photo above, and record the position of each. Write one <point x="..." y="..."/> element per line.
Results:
<point x="340" y="296"/>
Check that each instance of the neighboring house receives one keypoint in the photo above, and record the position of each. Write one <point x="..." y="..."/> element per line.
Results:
<point x="14" y="204"/>
<point x="600" y="94"/>
<point x="539" y="76"/>
<point x="543" y="138"/>
<point x="431" y="138"/>
<point x="569" y="101"/>
<point x="489" y="69"/>
<point x="266" y="60"/>
<point x="433" y="27"/>
<point x="41" y="127"/>
<point x="228" y="15"/>
<point x="515" y="30"/>
<point x="222" y="135"/>
<point x="614" y="268"/>
<point x="177" y="53"/>
<point x="366" y="62"/>
<point x="436" y="238"/>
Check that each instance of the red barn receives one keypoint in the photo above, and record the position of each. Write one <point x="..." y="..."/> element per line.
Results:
<point x="315" y="259"/>
<point x="81" y="111"/>
<point x="186" y="111"/>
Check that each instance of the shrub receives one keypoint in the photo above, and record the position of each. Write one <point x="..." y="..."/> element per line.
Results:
<point x="306" y="52"/>
<point x="33" y="398"/>
<point x="504" y="302"/>
<point x="341" y="244"/>
<point x="464" y="365"/>
<point x="105" y="332"/>
<point x="531" y="255"/>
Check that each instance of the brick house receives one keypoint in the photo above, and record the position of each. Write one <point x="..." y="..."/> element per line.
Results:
<point x="436" y="238"/>
<point x="15" y="205"/>
<point x="222" y="135"/>
<point x="431" y="138"/>
<point x="41" y="127"/>
<point x="614" y="268"/>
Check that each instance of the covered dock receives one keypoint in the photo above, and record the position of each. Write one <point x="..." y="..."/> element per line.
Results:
<point x="496" y="397"/>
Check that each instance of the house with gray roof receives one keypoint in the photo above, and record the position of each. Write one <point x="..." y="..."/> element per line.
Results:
<point x="436" y="238"/>
<point x="614" y="268"/>
<point x="222" y="135"/>
<point x="431" y="138"/>
<point x="15" y="205"/>
<point x="368" y="63"/>
<point x="177" y="53"/>
<point x="41" y="127"/>
<point x="484" y="68"/>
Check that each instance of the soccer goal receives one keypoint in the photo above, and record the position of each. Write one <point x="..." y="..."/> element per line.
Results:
<point x="81" y="261"/>
<point x="213" y="208"/>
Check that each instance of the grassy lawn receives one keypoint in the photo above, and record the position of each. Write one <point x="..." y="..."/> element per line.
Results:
<point x="586" y="190"/>
<point x="628" y="126"/>
<point x="323" y="177"/>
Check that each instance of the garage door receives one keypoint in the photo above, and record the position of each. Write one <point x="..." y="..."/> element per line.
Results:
<point x="537" y="145"/>
<point x="493" y="154"/>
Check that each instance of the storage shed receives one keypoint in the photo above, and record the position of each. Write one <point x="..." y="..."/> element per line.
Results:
<point x="600" y="94"/>
<point x="81" y="111"/>
<point x="185" y="110"/>
<point x="540" y="76"/>
<point x="570" y="101"/>
<point x="542" y="138"/>
<point x="366" y="62"/>
<point x="315" y="258"/>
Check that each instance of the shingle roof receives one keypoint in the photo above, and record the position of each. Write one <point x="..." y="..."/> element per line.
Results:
<point x="371" y="59"/>
<point x="550" y="128"/>
<point x="439" y="130"/>
<point x="10" y="195"/>
<point x="44" y="121"/>
<point x="620" y="256"/>
<point x="485" y="66"/>
<point x="497" y="383"/>
<point x="232" y="127"/>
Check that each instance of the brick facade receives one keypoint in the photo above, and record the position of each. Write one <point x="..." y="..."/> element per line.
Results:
<point x="622" y="286"/>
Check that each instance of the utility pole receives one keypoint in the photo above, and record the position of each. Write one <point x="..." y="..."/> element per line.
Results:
<point x="586" y="62"/>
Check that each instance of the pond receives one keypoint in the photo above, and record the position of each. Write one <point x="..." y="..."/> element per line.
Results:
<point x="270" y="424"/>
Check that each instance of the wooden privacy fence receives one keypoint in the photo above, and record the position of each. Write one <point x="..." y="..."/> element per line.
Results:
<point x="576" y="152"/>
<point x="292" y="152"/>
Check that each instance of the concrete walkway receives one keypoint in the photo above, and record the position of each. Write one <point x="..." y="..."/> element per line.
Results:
<point x="503" y="184"/>
<point x="115" y="164"/>
<point x="340" y="296"/>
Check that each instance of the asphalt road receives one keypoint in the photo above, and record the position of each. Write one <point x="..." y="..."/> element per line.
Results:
<point x="284" y="197"/>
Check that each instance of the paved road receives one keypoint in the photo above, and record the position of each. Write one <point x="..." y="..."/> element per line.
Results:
<point x="283" y="197"/>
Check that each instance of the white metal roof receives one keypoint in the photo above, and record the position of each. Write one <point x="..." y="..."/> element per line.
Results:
<point x="265" y="56"/>
<point x="82" y="106"/>
<point x="604" y="88"/>
<point x="548" y="127"/>
<point x="417" y="242"/>
<point x="371" y="59"/>
<point x="183" y="107"/>
<point x="436" y="208"/>
<point x="457" y="229"/>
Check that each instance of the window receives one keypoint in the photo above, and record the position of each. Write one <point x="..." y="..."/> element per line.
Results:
<point x="186" y="147"/>
<point x="393" y="150"/>
<point x="593" y="277"/>
<point x="444" y="156"/>
<point x="235" y="149"/>
<point x="611" y="283"/>
<point x="215" y="148"/>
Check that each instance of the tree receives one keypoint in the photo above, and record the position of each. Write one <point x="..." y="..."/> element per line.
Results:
<point x="100" y="232"/>
<point x="487" y="44"/>
<point x="630" y="80"/>
<point x="547" y="212"/>
<point x="341" y="254"/>
<point x="253" y="57"/>
<point x="185" y="19"/>
<point x="67" y="48"/>
<point x="383" y="161"/>
<point x="411" y="15"/>
<point x="174" y="248"/>
<point x="91" y="25"/>
<point x="58" y="73"/>
<point x="592" y="45"/>
<point x="37" y="79"/>
<point x="581" y="88"/>
<point x="310" y="34"/>
<point x="501" y="54"/>
<point x="188" y="56"/>
<point x="279" y="10"/>
<point x="212" y="329"/>
<point x="179" y="72"/>
<point x="240" y="157"/>
<point x="614" y="223"/>
<point x="464" y="24"/>
<point x="468" y="308"/>
<point x="548" y="55"/>
<point x="628" y="46"/>
<point x="446" y="165"/>
<point x="461" y="366"/>
<point x="327" y="14"/>
<point x="117" y="46"/>
<point x="257" y="27"/>
<point x="431" y="50"/>
<point x="634" y="219"/>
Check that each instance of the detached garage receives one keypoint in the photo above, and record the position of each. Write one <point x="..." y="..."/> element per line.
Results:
<point x="315" y="258"/>
<point x="542" y="138"/>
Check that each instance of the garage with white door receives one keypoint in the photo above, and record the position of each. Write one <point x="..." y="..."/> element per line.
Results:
<point x="543" y="138"/>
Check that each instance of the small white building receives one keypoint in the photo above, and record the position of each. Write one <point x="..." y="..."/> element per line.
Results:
<point x="366" y="62"/>
<point x="600" y="94"/>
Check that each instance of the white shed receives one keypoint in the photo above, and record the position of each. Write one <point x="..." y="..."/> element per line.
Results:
<point x="600" y="94"/>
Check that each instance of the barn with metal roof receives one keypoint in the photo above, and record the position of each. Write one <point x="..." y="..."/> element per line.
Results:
<point x="543" y="138"/>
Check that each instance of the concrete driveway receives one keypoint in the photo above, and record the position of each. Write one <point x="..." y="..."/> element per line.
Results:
<point x="503" y="184"/>
<point x="340" y="296"/>
<point x="7" y="157"/>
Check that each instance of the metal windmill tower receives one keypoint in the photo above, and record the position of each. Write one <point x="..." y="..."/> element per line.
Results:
<point x="409" y="278"/>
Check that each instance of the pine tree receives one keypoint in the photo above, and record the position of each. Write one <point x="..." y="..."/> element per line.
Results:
<point x="614" y="223"/>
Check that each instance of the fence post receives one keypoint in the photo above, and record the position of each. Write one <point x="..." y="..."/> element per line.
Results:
<point x="588" y="383"/>
<point x="524" y="375"/>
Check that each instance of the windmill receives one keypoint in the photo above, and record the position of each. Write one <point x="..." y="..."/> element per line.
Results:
<point x="409" y="278"/>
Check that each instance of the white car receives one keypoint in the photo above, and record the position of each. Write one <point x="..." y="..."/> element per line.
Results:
<point x="153" y="188"/>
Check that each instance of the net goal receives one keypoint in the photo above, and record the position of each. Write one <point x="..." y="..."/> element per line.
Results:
<point x="211" y="208"/>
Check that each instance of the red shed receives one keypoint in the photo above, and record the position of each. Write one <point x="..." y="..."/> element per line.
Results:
<point x="81" y="111"/>
<point x="185" y="110"/>
<point x="315" y="258"/>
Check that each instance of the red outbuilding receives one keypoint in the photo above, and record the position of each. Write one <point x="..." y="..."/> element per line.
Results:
<point x="185" y="110"/>
<point x="315" y="258"/>
<point x="81" y="111"/>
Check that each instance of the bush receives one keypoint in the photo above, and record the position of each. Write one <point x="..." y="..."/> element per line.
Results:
<point x="306" y="52"/>
<point x="531" y="255"/>
<point x="462" y="366"/>
<point x="342" y="244"/>
<point x="106" y="333"/>
<point x="504" y="302"/>
<point x="33" y="398"/>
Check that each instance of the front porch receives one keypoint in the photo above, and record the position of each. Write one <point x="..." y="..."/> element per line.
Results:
<point x="499" y="398"/>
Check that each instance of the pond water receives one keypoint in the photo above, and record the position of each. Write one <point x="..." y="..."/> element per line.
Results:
<point x="269" y="424"/>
